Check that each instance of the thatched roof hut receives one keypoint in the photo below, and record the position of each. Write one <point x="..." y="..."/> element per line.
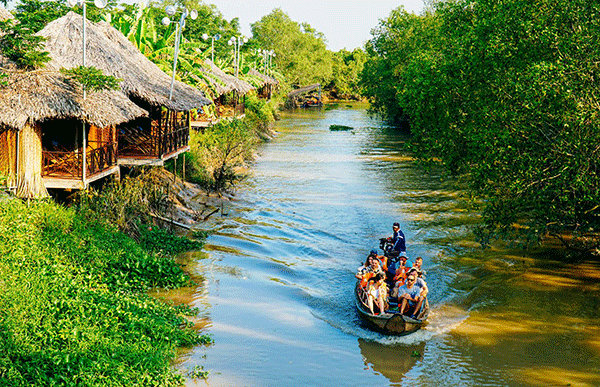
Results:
<point x="37" y="96"/>
<point x="231" y="83"/>
<point x="214" y="81"/>
<point x="108" y="50"/>
<point x="265" y="80"/>
<point x="30" y="102"/>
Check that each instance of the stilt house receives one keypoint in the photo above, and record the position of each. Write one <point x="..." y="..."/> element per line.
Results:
<point x="234" y="90"/>
<point x="266" y="84"/>
<point x="146" y="141"/>
<point x="53" y="137"/>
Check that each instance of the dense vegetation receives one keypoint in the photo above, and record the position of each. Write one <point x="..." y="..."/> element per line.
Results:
<point x="219" y="151"/>
<point x="505" y="94"/>
<point x="73" y="302"/>
<point x="302" y="57"/>
<point x="73" y="281"/>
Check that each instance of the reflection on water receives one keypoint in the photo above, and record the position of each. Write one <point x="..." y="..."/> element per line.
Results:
<point x="277" y="276"/>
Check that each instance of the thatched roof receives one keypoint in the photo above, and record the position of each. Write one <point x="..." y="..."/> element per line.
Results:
<point x="302" y="90"/>
<point x="4" y="14"/>
<point x="230" y="82"/>
<point x="36" y="96"/>
<point x="265" y="79"/>
<point x="219" y="84"/>
<point x="108" y="50"/>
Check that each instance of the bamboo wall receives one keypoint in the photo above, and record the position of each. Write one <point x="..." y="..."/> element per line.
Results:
<point x="8" y="154"/>
<point x="29" y="181"/>
<point x="98" y="137"/>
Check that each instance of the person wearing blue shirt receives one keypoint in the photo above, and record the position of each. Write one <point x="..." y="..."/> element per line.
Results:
<point x="409" y="294"/>
<point x="398" y="238"/>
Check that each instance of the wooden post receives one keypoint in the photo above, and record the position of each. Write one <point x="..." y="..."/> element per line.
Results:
<point x="84" y="160"/>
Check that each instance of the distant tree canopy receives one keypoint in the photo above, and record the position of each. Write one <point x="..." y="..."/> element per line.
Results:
<point x="301" y="54"/>
<point x="346" y="71"/>
<point x="506" y="94"/>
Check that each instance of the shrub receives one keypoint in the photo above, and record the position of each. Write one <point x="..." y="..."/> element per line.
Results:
<point x="73" y="307"/>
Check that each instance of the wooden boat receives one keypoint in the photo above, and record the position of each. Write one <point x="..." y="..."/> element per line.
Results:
<point x="392" y="322"/>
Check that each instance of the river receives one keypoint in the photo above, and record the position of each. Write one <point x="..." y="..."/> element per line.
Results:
<point x="276" y="277"/>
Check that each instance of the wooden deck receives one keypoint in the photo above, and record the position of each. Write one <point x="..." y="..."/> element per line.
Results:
<point x="78" y="183"/>
<point x="64" y="169"/>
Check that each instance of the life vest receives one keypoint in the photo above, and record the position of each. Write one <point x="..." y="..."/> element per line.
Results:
<point x="384" y="261"/>
<point x="365" y="279"/>
<point x="400" y="276"/>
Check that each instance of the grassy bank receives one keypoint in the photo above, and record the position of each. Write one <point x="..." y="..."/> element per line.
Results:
<point x="73" y="302"/>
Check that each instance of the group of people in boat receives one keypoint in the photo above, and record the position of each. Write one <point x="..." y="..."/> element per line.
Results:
<point x="393" y="278"/>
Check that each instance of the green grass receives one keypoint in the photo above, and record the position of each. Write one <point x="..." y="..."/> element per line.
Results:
<point x="73" y="303"/>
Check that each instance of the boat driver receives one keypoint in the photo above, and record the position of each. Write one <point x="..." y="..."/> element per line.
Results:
<point x="398" y="238"/>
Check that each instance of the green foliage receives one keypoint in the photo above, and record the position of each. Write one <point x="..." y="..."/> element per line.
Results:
<point x="340" y="127"/>
<point x="21" y="46"/>
<point x="92" y="79"/>
<point x="73" y="306"/>
<point x="502" y="93"/>
<point x="347" y="69"/>
<point x="35" y="14"/>
<point x="260" y="113"/>
<point x="161" y="241"/>
<point x="217" y="153"/>
<point x="199" y="373"/>
<point x="126" y="204"/>
<point x="301" y="54"/>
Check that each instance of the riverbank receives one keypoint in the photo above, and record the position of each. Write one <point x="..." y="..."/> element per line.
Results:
<point x="73" y="301"/>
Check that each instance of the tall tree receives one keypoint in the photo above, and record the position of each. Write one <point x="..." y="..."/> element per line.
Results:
<point x="301" y="53"/>
<point x="346" y="70"/>
<point x="503" y="93"/>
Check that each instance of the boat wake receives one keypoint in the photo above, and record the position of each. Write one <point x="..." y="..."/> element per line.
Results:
<point x="442" y="319"/>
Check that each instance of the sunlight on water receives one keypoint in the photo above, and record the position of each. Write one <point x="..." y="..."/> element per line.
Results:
<point x="277" y="276"/>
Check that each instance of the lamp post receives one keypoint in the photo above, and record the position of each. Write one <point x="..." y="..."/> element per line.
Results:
<point x="100" y="4"/>
<point x="82" y="3"/>
<point x="212" y="44"/>
<point x="272" y="54"/>
<point x="237" y="43"/>
<point x="268" y="60"/>
<point x="171" y="10"/>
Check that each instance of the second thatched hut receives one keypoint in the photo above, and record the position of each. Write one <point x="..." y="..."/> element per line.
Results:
<point x="163" y="135"/>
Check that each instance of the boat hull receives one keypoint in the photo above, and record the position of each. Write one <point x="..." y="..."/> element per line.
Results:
<point x="390" y="323"/>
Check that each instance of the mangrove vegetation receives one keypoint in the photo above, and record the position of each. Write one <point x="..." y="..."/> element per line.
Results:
<point x="503" y="94"/>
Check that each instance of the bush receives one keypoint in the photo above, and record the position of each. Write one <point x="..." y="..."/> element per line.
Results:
<point x="128" y="203"/>
<point x="73" y="307"/>
<point x="216" y="153"/>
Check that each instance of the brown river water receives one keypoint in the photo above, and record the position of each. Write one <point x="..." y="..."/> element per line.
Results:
<point x="276" y="277"/>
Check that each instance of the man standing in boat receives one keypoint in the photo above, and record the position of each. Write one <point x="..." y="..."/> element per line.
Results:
<point x="398" y="239"/>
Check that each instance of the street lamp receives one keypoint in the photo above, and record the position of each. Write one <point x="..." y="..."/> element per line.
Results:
<point x="213" y="38"/>
<point x="268" y="60"/>
<point x="237" y="43"/>
<point x="100" y="4"/>
<point x="171" y="10"/>
<point x="273" y="54"/>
